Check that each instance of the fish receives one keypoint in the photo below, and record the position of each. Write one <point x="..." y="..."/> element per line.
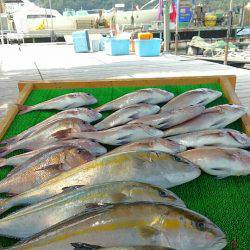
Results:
<point x="92" y="147"/>
<point x="153" y="144"/>
<point x="115" y="136"/>
<point x="45" y="136"/>
<point x="43" y="167"/>
<point x="84" y="114"/>
<point x="84" y="246"/>
<point x="221" y="162"/>
<point x="156" y="168"/>
<point x="74" y="200"/>
<point x="218" y="137"/>
<point x="165" y="120"/>
<point x="68" y="101"/>
<point x="126" y="115"/>
<point x="128" y="224"/>
<point x="149" y="95"/>
<point x="217" y="117"/>
<point x="202" y="97"/>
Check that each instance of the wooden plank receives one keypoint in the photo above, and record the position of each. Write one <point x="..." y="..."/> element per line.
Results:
<point x="233" y="99"/>
<point x="59" y="84"/>
<point x="13" y="111"/>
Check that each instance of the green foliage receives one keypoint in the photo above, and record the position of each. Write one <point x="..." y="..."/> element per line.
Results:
<point x="60" y="5"/>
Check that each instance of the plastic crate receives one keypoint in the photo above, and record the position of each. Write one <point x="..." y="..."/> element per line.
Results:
<point x="145" y="48"/>
<point x="117" y="47"/>
<point x="81" y="41"/>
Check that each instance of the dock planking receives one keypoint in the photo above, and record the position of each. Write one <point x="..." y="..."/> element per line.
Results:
<point x="60" y="62"/>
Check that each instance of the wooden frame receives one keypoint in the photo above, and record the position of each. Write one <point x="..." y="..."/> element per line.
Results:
<point x="227" y="83"/>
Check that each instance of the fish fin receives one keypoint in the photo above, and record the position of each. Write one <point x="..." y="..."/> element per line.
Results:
<point x="3" y="162"/>
<point x="13" y="171"/>
<point x="71" y="188"/>
<point x="52" y="166"/>
<point x="124" y="139"/>
<point x="97" y="207"/>
<point x="220" y="177"/>
<point x="62" y="133"/>
<point x="22" y="109"/>
<point x="71" y="106"/>
<point x="148" y="232"/>
<point x="84" y="246"/>
<point x="118" y="197"/>
<point x="4" y="205"/>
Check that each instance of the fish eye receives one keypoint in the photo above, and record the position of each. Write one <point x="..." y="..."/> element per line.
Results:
<point x="201" y="225"/>
<point x="163" y="193"/>
<point x="79" y="150"/>
<point x="177" y="158"/>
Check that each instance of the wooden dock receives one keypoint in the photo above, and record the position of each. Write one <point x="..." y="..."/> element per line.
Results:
<point x="53" y="61"/>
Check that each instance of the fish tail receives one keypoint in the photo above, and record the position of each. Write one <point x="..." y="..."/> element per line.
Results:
<point x="23" y="109"/>
<point x="3" y="162"/>
<point x="98" y="109"/>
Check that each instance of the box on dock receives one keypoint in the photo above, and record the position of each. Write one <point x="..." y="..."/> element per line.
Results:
<point x="150" y="47"/>
<point x="117" y="46"/>
<point x="81" y="41"/>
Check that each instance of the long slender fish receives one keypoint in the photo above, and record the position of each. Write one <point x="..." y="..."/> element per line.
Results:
<point x="156" y="168"/>
<point x="153" y="144"/>
<point x="84" y="246"/>
<point x="68" y="101"/>
<point x="150" y="96"/>
<point x="43" y="215"/>
<point x="201" y="97"/>
<point x="222" y="162"/>
<point x="115" y="136"/>
<point x="92" y="147"/>
<point x="219" y="137"/>
<point x="84" y="114"/>
<point x="126" y="115"/>
<point x="46" y="136"/>
<point x="140" y="224"/>
<point x="43" y="167"/>
<point x="169" y="119"/>
<point x="213" y="118"/>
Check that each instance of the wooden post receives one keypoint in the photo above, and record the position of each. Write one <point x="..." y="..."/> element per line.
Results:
<point x="166" y="25"/>
<point x="2" y="9"/>
<point x="229" y="20"/>
<point x="52" y="23"/>
<point x="177" y="26"/>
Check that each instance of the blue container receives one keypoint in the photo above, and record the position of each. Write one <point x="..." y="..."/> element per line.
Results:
<point x="150" y="47"/>
<point x="117" y="47"/>
<point x="185" y="15"/>
<point x="81" y="41"/>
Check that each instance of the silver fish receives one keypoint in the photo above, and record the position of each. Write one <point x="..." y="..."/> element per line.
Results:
<point x="140" y="224"/>
<point x="116" y="136"/>
<point x="126" y="115"/>
<point x="213" y="118"/>
<point x="222" y="162"/>
<point x="43" y="167"/>
<point x="84" y="114"/>
<point x="153" y="144"/>
<point x="84" y="246"/>
<point x="74" y="200"/>
<point x="169" y="119"/>
<point x="200" y="97"/>
<point x="219" y="137"/>
<point x="45" y="136"/>
<point x="68" y="101"/>
<point x="150" y="96"/>
<point x="92" y="147"/>
<point x="156" y="168"/>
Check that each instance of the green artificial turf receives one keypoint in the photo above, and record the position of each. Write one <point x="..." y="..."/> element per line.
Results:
<point x="225" y="202"/>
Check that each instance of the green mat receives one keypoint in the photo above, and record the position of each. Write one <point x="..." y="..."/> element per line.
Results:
<point x="225" y="202"/>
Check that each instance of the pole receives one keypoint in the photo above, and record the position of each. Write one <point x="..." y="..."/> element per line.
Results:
<point x="177" y="26"/>
<point x="229" y="27"/>
<point x="166" y="26"/>
<point x="52" y="24"/>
